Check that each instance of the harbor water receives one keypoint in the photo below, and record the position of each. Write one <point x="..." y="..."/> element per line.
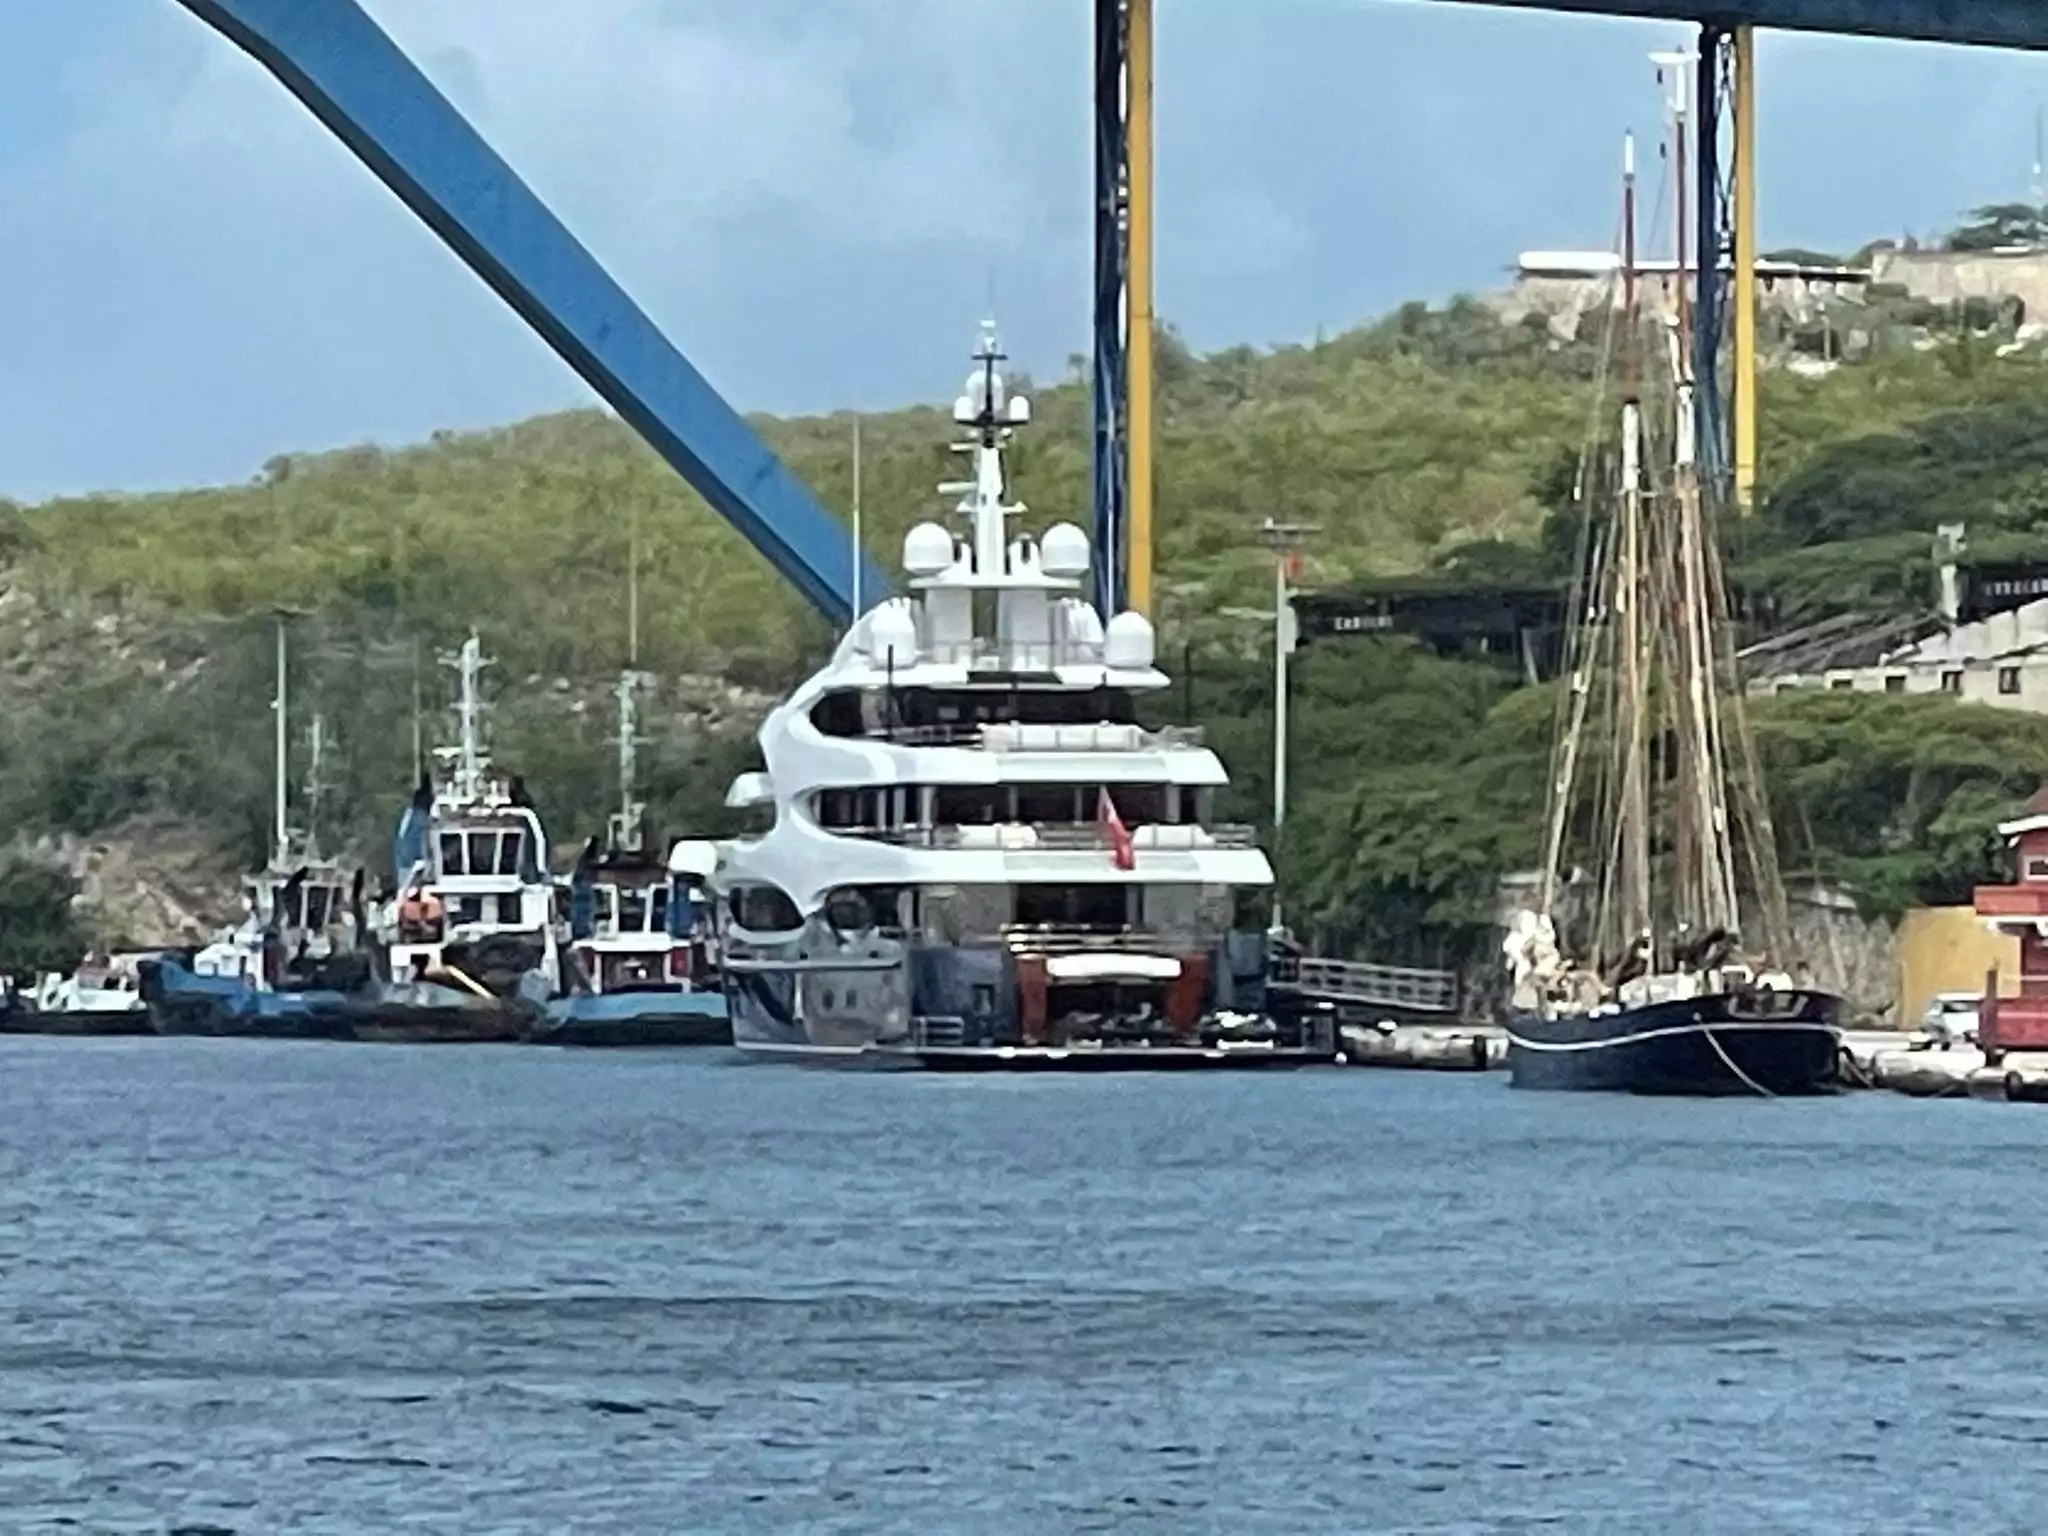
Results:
<point x="253" y="1287"/>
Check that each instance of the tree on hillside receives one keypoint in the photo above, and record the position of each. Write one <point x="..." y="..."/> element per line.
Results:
<point x="1999" y="224"/>
<point x="39" y="931"/>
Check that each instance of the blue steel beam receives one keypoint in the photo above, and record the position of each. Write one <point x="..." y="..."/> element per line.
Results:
<point x="1111" y="456"/>
<point x="343" y="67"/>
<point x="1991" y="23"/>
<point x="1711" y="313"/>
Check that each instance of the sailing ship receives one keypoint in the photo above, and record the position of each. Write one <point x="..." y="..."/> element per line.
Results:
<point x="1656" y="957"/>
<point x="465" y="947"/>
<point x="640" y="966"/>
<point x="978" y="856"/>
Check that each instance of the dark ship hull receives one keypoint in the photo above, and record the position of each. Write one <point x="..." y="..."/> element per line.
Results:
<point x="1780" y="1044"/>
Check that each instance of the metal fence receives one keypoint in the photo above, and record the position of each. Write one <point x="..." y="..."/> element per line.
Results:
<point x="1363" y="984"/>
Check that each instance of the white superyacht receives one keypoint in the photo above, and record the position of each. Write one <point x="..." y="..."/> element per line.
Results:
<point x="977" y="854"/>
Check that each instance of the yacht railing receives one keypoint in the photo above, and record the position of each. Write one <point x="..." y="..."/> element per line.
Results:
<point x="1060" y="837"/>
<point x="1008" y="737"/>
<point x="1078" y="939"/>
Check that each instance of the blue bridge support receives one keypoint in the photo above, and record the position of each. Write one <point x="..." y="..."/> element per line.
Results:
<point x="1110" y="395"/>
<point x="342" y="66"/>
<point x="1988" y="23"/>
<point x="1710" y="313"/>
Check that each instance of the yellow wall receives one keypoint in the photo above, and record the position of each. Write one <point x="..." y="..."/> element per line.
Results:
<point x="1948" y="949"/>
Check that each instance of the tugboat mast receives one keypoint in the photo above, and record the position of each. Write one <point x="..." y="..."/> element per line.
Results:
<point x="470" y="759"/>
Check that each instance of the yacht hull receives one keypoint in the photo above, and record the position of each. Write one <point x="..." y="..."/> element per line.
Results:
<point x="766" y="1026"/>
<point x="1781" y="1044"/>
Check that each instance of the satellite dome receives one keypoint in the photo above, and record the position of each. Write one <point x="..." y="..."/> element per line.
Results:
<point x="892" y="635"/>
<point x="1063" y="551"/>
<point x="1129" y="641"/>
<point x="927" y="550"/>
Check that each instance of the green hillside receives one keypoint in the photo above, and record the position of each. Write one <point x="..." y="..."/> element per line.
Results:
<point x="1433" y="440"/>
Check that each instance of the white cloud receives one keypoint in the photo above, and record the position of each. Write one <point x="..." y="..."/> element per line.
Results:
<point x="815" y="199"/>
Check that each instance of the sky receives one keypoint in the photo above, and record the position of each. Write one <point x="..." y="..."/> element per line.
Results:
<point x="817" y="202"/>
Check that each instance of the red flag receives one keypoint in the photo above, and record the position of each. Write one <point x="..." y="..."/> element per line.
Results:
<point x="1121" y="848"/>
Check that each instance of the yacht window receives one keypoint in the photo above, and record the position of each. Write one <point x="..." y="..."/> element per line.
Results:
<point x="838" y="714"/>
<point x="483" y="852"/>
<point x="316" y="906"/>
<point x="1048" y="803"/>
<point x="451" y="853"/>
<point x="658" y="910"/>
<point x="1072" y="906"/>
<point x="470" y="909"/>
<point x="292" y="899"/>
<point x="508" y="908"/>
<point x="632" y="911"/>
<point x="970" y="805"/>
<point x="764" y="909"/>
<point x="1139" y="805"/>
<point x="509" y="847"/>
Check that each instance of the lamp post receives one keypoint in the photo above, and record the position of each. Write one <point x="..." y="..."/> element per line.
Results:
<point x="1284" y="539"/>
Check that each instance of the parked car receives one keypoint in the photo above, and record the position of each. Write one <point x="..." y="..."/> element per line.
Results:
<point x="1951" y="1019"/>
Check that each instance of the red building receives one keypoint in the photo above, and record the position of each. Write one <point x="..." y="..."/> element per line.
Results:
<point x="2021" y="909"/>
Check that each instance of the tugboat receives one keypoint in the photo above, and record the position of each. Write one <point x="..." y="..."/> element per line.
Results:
<point x="465" y="946"/>
<point x="640" y="968"/>
<point x="1639" y="978"/>
<point x="284" y="970"/>
<point x="981" y="857"/>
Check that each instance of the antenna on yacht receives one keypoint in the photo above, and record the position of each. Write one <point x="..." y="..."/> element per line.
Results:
<point x="994" y="417"/>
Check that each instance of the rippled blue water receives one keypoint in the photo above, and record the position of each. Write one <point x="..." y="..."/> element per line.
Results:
<point x="255" y="1288"/>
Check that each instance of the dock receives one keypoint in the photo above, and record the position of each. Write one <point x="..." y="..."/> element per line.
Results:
<point x="1914" y="1065"/>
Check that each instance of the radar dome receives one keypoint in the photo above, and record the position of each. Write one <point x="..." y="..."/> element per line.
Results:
<point x="1128" y="642"/>
<point x="892" y="635"/>
<point x="1063" y="551"/>
<point x="927" y="550"/>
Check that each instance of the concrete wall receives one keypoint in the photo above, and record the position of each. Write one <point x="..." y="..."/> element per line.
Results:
<point x="1949" y="949"/>
<point x="1949" y="277"/>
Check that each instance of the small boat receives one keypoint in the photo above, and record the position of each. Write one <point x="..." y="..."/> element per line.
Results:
<point x="103" y="996"/>
<point x="465" y="946"/>
<point x="641" y="962"/>
<point x="1644" y="975"/>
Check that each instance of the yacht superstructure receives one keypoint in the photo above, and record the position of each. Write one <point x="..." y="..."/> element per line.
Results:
<point x="979" y="853"/>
